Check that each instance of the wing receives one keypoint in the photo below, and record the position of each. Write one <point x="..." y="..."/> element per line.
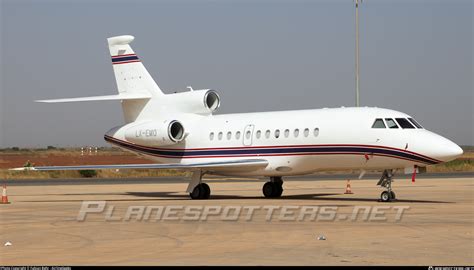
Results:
<point x="98" y="98"/>
<point x="219" y="165"/>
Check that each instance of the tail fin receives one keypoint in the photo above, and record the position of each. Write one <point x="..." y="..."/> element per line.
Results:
<point x="131" y="76"/>
<point x="137" y="89"/>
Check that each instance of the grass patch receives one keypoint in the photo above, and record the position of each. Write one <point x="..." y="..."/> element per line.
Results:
<point x="141" y="173"/>
<point x="457" y="165"/>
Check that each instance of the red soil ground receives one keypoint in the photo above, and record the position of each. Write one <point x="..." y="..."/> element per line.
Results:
<point x="13" y="160"/>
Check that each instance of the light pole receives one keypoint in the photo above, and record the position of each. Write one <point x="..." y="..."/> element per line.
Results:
<point x="357" y="51"/>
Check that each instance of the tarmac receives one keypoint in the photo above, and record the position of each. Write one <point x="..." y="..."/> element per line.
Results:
<point x="436" y="227"/>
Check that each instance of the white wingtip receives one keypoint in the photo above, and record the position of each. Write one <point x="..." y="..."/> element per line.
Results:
<point x="120" y="40"/>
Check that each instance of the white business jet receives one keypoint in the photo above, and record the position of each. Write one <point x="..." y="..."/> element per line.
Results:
<point x="180" y="131"/>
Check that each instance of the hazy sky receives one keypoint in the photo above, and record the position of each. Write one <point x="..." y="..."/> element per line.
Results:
<point x="416" y="57"/>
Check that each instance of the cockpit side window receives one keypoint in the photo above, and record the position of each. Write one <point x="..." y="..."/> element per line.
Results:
<point x="404" y="123"/>
<point x="413" y="121"/>
<point x="378" y="123"/>
<point x="391" y="123"/>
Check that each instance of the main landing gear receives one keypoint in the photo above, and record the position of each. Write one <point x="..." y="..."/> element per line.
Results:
<point x="196" y="189"/>
<point x="386" y="182"/>
<point x="274" y="188"/>
<point x="201" y="191"/>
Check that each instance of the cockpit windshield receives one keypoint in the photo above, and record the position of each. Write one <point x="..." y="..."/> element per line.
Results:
<point x="378" y="123"/>
<point x="413" y="121"/>
<point x="404" y="123"/>
<point x="391" y="123"/>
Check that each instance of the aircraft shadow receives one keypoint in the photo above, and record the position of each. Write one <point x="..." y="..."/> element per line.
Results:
<point x="312" y="197"/>
<point x="163" y="196"/>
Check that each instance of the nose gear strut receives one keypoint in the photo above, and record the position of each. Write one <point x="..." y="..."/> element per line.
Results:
<point x="386" y="182"/>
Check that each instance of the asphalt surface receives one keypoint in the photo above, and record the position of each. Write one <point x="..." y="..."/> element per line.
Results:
<point x="42" y="225"/>
<point x="165" y="180"/>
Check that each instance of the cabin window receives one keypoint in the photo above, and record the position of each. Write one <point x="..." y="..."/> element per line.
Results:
<point x="413" y="121"/>
<point x="404" y="123"/>
<point x="248" y="134"/>
<point x="219" y="136"/>
<point x="277" y="133"/>
<point x="229" y="135"/>
<point x="287" y="133"/>
<point x="391" y="123"/>
<point x="378" y="123"/>
<point x="296" y="133"/>
<point x="267" y="134"/>
<point x="211" y="136"/>
<point x="316" y="132"/>
<point x="306" y="132"/>
<point x="237" y="135"/>
<point x="259" y="134"/>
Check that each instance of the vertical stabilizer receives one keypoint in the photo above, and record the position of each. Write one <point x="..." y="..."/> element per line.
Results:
<point x="131" y="76"/>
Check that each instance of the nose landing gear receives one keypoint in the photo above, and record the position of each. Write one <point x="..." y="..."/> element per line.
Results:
<point x="386" y="182"/>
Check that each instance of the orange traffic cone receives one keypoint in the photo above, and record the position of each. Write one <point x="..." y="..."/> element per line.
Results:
<point x="4" y="195"/>
<point x="348" y="188"/>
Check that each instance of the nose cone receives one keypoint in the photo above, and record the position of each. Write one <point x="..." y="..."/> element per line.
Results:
<point x="451" y="152"/>
<point x="446" y="150"/>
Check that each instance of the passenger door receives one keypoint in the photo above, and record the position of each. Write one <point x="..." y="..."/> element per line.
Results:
<point x="248" y="135"/>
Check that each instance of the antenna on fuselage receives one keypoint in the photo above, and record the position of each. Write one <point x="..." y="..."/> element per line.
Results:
<point x="357" y="51"/>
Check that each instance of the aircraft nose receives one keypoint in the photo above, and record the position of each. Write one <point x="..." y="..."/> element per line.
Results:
<point x="454" y="151"/>
<point x="448" y="150"/>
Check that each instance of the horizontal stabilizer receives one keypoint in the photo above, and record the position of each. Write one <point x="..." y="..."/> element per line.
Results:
<point x="202" y="165"/>
<point x="99" y="98"/>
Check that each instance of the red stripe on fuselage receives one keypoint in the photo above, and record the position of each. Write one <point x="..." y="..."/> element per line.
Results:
<point x="277" y="146"/>
<point x="135" y="148"/>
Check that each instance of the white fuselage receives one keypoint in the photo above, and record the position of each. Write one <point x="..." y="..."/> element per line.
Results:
<point x="295" y="142"/>
<point x="180" y="131"/>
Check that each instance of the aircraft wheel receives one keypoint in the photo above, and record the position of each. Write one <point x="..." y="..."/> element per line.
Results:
<point x="392" y="194"/>
<point x="386" y="196"/>
<point x="201" y="191"/>
<point x="207" y="191"/>
<point x="272" y="190"/>
<point x="278" y="190"/>
<point x="268" y="189"/>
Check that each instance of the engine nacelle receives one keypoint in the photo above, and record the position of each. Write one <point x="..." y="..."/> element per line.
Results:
<point x="155" y="133"/>
<point x="204" y="101"/>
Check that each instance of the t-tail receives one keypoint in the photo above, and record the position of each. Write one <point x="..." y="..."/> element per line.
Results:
<point x="134" y="84"/>
<point x="141" y="98"/>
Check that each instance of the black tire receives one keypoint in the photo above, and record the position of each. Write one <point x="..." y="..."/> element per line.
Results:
<point x="197" y="193"/>
<point x="207" y="191"/>
<point x="268" y="190"/>
<point x="278" y="190"/>
<point x="385" y="196"/>
<point x="392" y="194"/>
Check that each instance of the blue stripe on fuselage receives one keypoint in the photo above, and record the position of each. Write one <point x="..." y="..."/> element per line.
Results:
<point x="270" y="151"/>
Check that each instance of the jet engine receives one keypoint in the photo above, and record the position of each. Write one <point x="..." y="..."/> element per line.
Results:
<point x="204" y="101"/>
<point x="155" y="133"/>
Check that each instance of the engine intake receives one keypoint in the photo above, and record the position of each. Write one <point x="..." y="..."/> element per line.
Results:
<point x="176" y="131"/>
<point x="212" y="100"/>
